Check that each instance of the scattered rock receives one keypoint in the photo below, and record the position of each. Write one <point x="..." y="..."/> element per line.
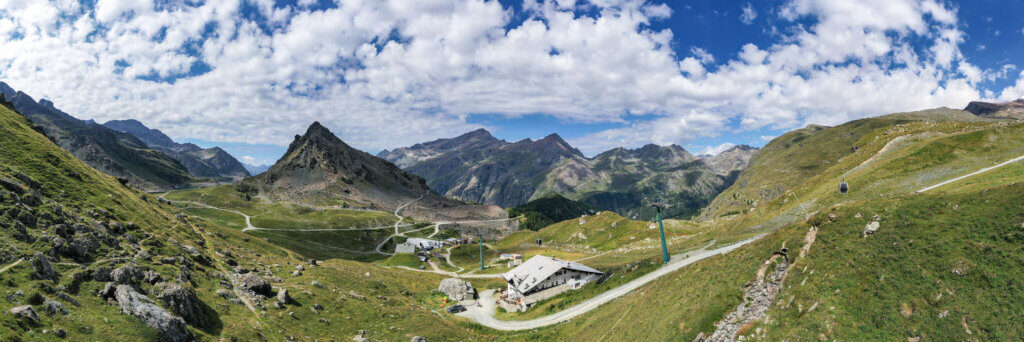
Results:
<point x="316" y="284"/>
<point x="224" y="293"/>
<point x="296" y="273"/>
<point x="184" y="303"/>
<point x="283" y="297"/>
<point x="126" y="275"/>
<point x="54" y="307"/>
<point x="456" y="289"/>
<point x="312" y="262"/>
<point x="832" y="217"/>
<point x="360" y="336"/>
<point x="171" y="328"/>
<point x="151" y="277"/>
<point x="943" y="314"/>
<point x="300" y="268"/>
<point x="61" y="333"/>
<point x="43" y="268"/>
<point x="418" y="339"/>
<point x="255" y="284"/>
<point x="108" y="290"/>
<point x="26" y="312"/>
<point x="101" y="274"/>
<point x="871" y="228"/>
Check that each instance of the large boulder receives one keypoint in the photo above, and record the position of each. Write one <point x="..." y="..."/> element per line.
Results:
<point x="184" y="303"/>
<point x="456" y="289"/>
<point x="54" y="307"/>
<point x="255" y="284"/>
<point x="43" y="268"/>
<point x="26" y="312"/>
<point x="126" y="275"/>
<point x="171" y="328"/>
<point x="283" y="297"/>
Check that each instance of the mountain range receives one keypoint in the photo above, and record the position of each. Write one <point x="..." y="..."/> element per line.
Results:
<point x="320" y="169"/>
<point x="115" y="153"/>
<point x="478" y="167"/>
<point x="200" y="162"/>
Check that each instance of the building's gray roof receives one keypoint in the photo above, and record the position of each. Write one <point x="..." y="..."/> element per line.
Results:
<point x="532" y="272"/>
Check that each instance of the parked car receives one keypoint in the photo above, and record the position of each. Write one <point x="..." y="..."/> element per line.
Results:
<point x="457" y="308"/>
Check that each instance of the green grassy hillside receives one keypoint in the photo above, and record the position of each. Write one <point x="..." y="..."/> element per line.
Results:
<point x="289" y="223"/>
<point x="45" y="190"/>
<point x="795" y="157"/>
<point x="961" y="240"/>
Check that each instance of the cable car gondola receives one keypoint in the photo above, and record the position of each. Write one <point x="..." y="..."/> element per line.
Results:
<point x="843" y="187"/>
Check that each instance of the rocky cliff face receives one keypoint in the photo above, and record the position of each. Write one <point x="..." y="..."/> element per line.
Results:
<point x="734" y="159"/>
<point x="477" y="167"/>
<point x="1008" y="110"/>
<point x="211" y="162"/>
<point x="114" y="153"/>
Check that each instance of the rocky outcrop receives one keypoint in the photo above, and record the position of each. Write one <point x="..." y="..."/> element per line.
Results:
<point x="183" y="302"/>
<point x="25" y="312"/>
<point x="1007" y="110"/>
<point x="456" y="289"/>
<point x="42" y="267"/>
<point x="255" y="284"/>
<point x="171" y="328"/>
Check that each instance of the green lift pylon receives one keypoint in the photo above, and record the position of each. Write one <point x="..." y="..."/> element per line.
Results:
<point x="664" y="246"/>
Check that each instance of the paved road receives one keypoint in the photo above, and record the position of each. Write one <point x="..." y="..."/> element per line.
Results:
<point x="990" y="168"/>
<point x="483" y="313"/>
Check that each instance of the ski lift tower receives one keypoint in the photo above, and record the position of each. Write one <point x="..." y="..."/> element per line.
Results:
<point x="661" y="228"/>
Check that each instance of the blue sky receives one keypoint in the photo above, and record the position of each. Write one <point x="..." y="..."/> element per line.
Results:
<point x="249" y="75"/>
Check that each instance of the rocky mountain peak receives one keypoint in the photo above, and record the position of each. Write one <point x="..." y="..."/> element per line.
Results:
<point x="1013" y="109"/>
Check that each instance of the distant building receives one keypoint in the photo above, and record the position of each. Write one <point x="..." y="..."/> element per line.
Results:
<point x="513" y="259"/>
<point x="425" y="244"/>
<point x="405" y="248"/>
<point x="652" y="226"/>
<point x="542" y="277"/>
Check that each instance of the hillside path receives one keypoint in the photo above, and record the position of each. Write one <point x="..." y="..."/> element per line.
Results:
<point x="483" y="311"/>
<point x="990" y="168"/>
<point x="15" y="263"/>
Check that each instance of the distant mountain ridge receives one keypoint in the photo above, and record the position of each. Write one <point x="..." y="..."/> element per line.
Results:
<point x="256" y="169"/>
<point x="1007" y="110"/>
<point x="210" y="162"/>
<point x="114" y="153"/>
<point x="478" y="167"/>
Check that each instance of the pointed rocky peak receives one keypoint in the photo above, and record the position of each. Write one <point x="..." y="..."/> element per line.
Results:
<point x="477" y="133"/>
<point x="318" y="137"/>
<point x="555" y="142"/>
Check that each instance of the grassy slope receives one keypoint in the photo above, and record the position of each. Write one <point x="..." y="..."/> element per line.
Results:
<point x="353" y="245"/>
<point x="390" y="310"/>
<point x="983" y="235"/>
<point x="795" y="157"/>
